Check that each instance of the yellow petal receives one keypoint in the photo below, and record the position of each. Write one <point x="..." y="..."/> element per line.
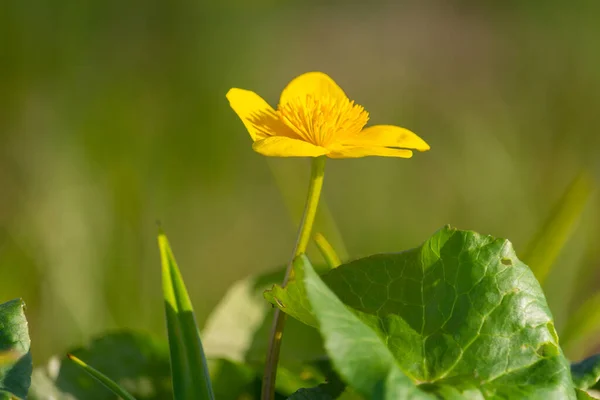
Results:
<point x="356" y="152"/>
<point x="257" y="115"/>
<point x="280" y="146"/>
<point x="386" y="136"/>
<point x="316" y="84"/>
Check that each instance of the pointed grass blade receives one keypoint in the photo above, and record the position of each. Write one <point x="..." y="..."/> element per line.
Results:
<point x="558" y="227"/>
<point x="103" y="379"/>
<point x="579" y="334"/>
<point x="191" y="380"/>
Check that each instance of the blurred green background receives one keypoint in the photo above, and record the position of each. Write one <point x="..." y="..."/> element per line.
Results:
<point x="113" y="116"/>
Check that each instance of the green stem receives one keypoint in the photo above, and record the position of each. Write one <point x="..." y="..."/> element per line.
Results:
<point x="327" y="251"/>
<point x="304" y="231"/>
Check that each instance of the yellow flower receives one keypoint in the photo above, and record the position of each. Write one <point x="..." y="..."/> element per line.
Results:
<point x="314" y="118"/>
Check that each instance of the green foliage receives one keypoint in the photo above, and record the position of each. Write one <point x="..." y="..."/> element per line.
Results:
<point x="460" y="314"/>
<point x="103" y="379"/>
<point x="460" y="317"/>
<point x="232" y="380"/>
<point x="191" y="379"/>
<point x="238" y="330"/>
<point x="140" y="364"/>
<point x="586" y="373"/>
<point x="316" y="393"/>
<point x="137" y="362"/>
<point x="238" y="327"/>
<point x="583" y="395"/>
<point x="236" y="380"/>
<point x="333" y="388"/>
<point x="15" y="358"/>
<point x="293" y="301"/>
<point x="357" y="352"/>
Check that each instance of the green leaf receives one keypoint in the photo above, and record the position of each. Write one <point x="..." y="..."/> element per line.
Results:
<point x="300" y="351"/>
<point x="358" y="354"/>
<point x="348" y="394"/>
<point x="316" y="393"/>
<point x="7" y="396"/>
<point x="558" y="227"/>
<point x="583" y="395"/>
<point x="135" y="361"/>
<point x="230" y="328"/>
<point x="191" y="379"/>
<point x="293" y="301"/>
<point x="332" y="389"/>
<point x="15" y="358"/>
<point x="292" y="377"/>
<point x="103" y="379"/>
<point x="586" y="373"/>
<point x="232" y="380"/>
<point x="461" y="314"/>
<point x="238" y="329"/>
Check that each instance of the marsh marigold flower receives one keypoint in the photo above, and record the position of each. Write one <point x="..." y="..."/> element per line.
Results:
<point x="314" y="118"/>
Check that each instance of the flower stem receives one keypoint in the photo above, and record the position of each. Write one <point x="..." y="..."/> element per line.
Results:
<point x="304" y="233"/>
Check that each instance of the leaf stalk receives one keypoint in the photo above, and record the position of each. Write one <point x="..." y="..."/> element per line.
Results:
<point x="303" y="238"/>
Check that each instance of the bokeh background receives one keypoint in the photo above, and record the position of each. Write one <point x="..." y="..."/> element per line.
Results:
<point x="113" y="116"/>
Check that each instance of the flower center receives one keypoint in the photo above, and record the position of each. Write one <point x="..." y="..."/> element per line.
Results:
<point x="321" y="121"/>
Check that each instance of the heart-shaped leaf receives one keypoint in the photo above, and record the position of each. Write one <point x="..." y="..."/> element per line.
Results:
<point x="460" y="314"/>
<point x="358" y="354"/>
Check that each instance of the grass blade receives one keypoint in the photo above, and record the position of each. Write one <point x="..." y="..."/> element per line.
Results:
<point x="103" y="379"/>
<point x="558" y="227"/>
<point x="191" y="380"/>
<point x="582" y="327"/>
